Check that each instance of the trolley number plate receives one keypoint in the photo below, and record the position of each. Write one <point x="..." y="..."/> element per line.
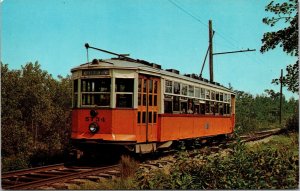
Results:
<point x="96" y="119"/>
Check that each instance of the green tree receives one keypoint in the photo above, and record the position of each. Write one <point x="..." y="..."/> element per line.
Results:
<point x="245" y="113"/>
<point x="287" y="38"/>
<point x="16" y="141"/>
<point x="258" y="112"/>
<point x="35" y="115"/>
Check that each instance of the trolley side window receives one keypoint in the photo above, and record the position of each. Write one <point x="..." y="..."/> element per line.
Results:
<point x="197" y="92"/>
<point x="221" y="97"/>
<point x="221" y="108"/>
<point x="228" y="98"/>
<point x="168" y="104"/>
<point x="217" y="96"/>
<point x="191" y="91"/>
<point x="202" y="96"/>
<point x="168" y="86"/>
<point x="124" y="93"/>
<point x="176" y="88"/>
<point x="176" y="104"/>
<point x="207" y="94"/>
<point x="95" y="92"/>
<point x="213" y="95"/>
<point x="184" y="89"/>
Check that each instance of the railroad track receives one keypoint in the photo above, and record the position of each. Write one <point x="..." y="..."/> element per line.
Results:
<point x="35" y="178"/>
<point x="260" y="135"/>
<point x="40" y="177"/>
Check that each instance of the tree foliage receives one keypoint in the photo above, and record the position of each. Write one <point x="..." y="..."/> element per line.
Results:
<point x="261" y="111"/>
<point x="35" y="115"/>
<point x="287" y="38"/>
<point x="291" y="79"/>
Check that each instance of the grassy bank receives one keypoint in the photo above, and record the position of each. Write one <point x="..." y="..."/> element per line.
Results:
<point x="272" y="164"/>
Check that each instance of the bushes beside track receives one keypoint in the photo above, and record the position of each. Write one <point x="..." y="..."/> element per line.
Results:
<point x="272" y="166"/>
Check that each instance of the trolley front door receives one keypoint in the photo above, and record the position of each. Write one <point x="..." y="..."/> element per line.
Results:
<point x="148" y="92"/>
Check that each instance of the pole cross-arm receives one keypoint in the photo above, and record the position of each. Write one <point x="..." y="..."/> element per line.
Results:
<point x="237" y="51"/>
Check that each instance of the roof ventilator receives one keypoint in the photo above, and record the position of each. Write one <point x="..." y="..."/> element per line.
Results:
<point x="156" y="66"/>
<point x="95" y="62"/>
<point x="173" y="71"/>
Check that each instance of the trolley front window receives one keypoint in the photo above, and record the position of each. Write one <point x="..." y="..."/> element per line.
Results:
<point x="124" y="93"/>
<point x="95" y="92"/>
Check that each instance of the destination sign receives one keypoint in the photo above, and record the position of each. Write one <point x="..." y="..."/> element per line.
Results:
<point x="95" y="72"/>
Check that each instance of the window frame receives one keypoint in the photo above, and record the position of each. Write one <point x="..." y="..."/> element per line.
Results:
<point x="169" y="85"/>
<point x="191" y="91"/>
<point x="177" y="93"/>
<point x="93" y="92"/>
<point x="119" y="93"/>
<point x="184" y="86"/>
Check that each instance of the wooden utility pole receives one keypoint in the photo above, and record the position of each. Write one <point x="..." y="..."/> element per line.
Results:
<point x="211" y="54"/>
<point x="280" y="107"/>
<point x="211" y="67"/>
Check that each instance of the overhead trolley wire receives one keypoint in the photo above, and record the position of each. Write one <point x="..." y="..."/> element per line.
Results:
<point x="187" y="12"/>
<point x="228" y="41"/>
<point x="177" y="5"/>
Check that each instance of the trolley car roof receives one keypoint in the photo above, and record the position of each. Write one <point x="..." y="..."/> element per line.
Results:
<point x="142" y="66"/>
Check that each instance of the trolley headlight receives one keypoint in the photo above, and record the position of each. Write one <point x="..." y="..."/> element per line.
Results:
<point x="93" y="127"/>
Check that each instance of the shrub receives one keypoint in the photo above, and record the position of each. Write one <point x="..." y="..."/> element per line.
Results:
<point x="292" y="123"/>
<point x="267" y="168"/>
<point x="15" y="162"/>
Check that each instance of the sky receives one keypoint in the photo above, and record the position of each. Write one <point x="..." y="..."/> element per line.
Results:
<point x="172" y="33"/>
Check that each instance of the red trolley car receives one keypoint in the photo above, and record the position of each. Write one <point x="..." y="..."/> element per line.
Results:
<point x="138" y="105"/>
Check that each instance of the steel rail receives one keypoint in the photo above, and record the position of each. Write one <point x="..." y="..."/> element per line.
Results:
<point x="31" y="170"/>
<point x="63" y="178"/>
<point x="261" y="135"/>
<point x="268" y="131"/>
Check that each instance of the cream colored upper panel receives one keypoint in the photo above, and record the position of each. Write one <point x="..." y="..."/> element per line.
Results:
<point x="124" y="73"/>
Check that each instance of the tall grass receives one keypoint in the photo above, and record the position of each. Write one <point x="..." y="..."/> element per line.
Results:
<point x="128" y="166"/>
<point x="127" y="180"/>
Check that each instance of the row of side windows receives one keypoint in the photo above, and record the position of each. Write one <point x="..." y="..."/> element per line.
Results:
<point x="182" y="105"/>
<point x="176" y="88"/>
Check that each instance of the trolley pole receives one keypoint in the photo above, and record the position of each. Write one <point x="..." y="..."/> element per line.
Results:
<point x="211" y="67"/>
<point x="280" y="106"/>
